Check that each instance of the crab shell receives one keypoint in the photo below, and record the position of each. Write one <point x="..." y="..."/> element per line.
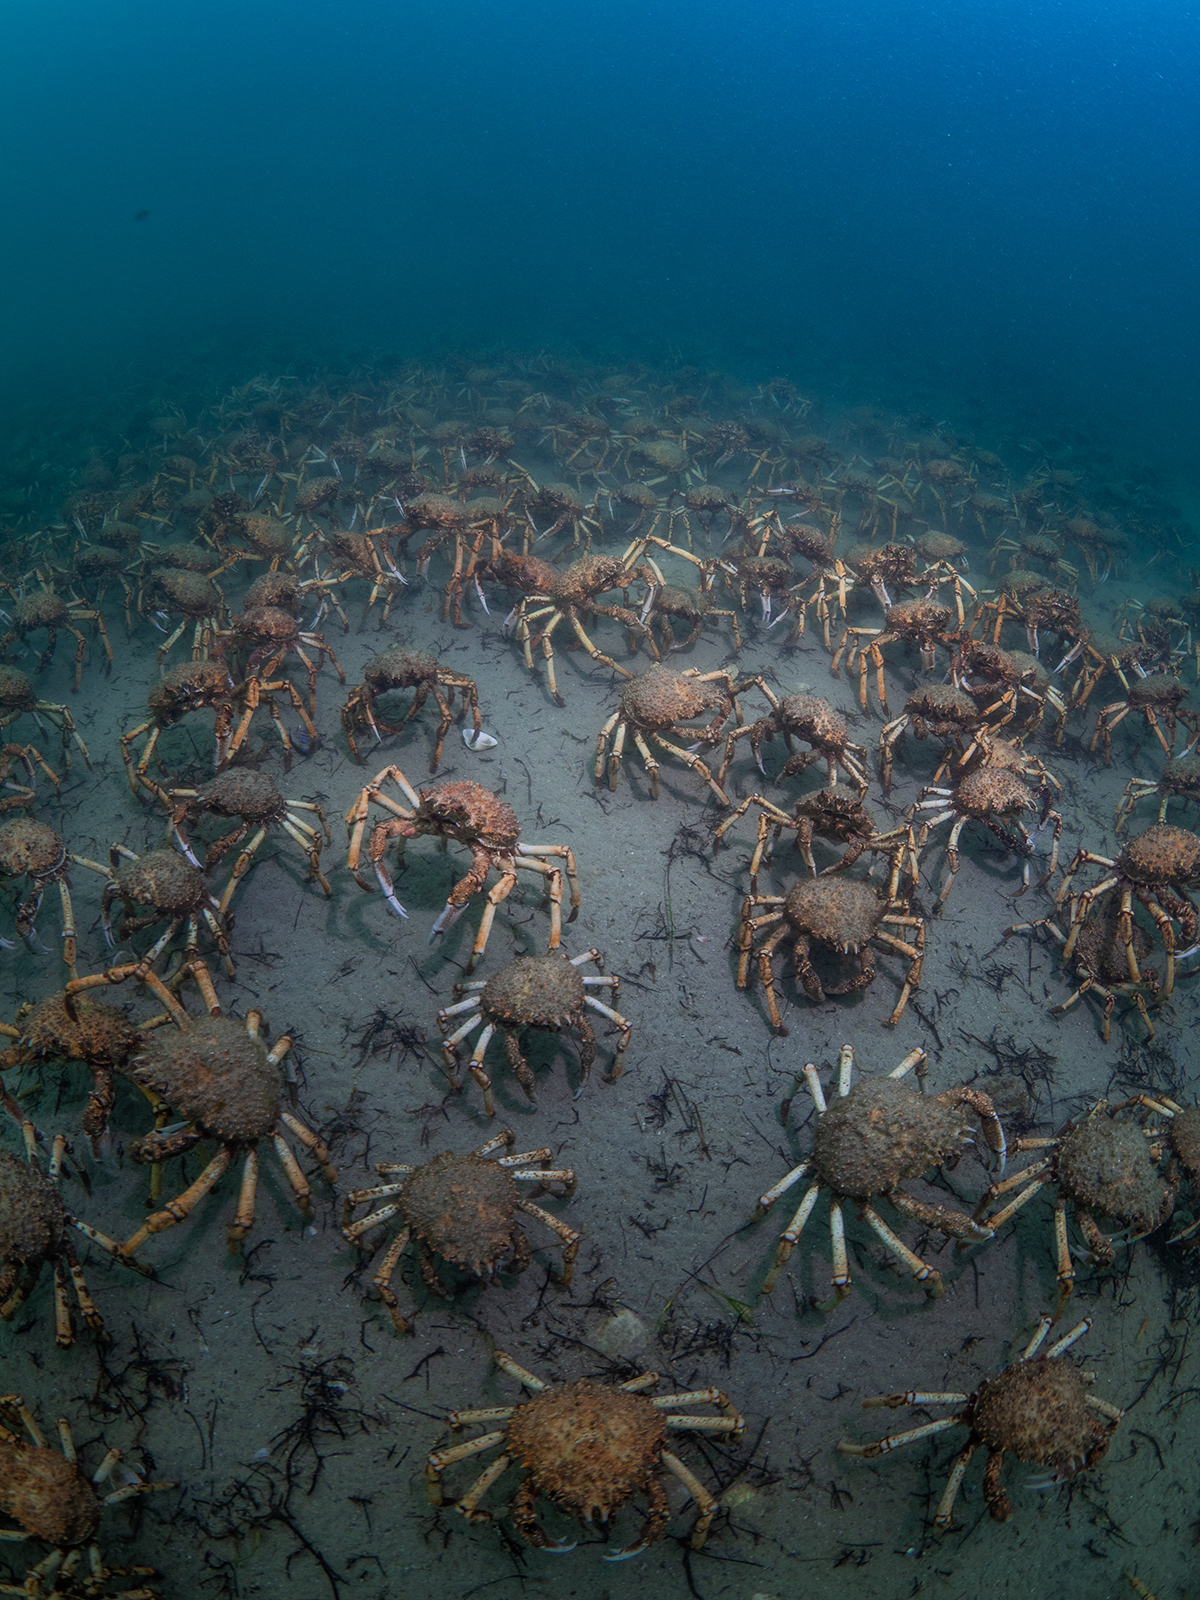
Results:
<point x="841" y="913"/>
<point x="1038" y="1410"/>
<point x="467" y="811"/>
<point x="163" y="879"/>
<point x="881" y="1133"/>
<point x="185" y="687"/>
<point x="1105" y="1163"/>
<point x="29" y="847"/>
<point x="214" y="1074"/>
<point x="48" y="1495"/>
<point x="241" y="792"/>
<point x="534" y="992"/>
<point x="993" y="791"/>
<point x="658" y="697"/>
<point x="1162" y="854"/>
<point x="92" y="1032"/>
<point x="588" y="1447"/>
<point x="33" y="1222"/>
<point x="462" y="1207"/>
<point x="1185" y="1139"/>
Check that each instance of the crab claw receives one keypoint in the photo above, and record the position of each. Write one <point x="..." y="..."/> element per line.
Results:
<point x="559" y="1547"/>
<point x="634" y="1549"/>
<point x="449" y="916"/>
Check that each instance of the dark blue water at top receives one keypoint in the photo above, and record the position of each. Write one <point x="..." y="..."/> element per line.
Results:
<point x="995" y="199"/>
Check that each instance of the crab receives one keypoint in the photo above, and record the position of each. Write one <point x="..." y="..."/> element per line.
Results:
<point x="217" y="1073"/>
<point x="471" y="815"/>
<point x="1033" y="547"/>
<point x="841" y="917"/>
<point x="655" y="705"/>
<point x="33" y="851"/>
<point x="589" y="1448"/>
<point x="832" y="814"/>
<point x="1055" y="611"/>
<point x="559" y="502"/>
<point x="1182" y="1138"/>
<point x="1008" y="685"/>
<point x="171" y="591"/>
<point x="35" y="1231"/>
<point x="936" y="710"/>
<point x="1178" y="780"/>
<point x="1157" y="868"/>
<point x="45" y="609"/>
<point x="994" y="795"/>
<point x="1100" y="964"/>
<point x="1102" y="1163"/>
<point x="54" y="1501"/>
<point x="691" y="607"/>
<point x="191" y="686"/>
<point x="1154" y="695"/>
<point x="400" y="667"/>
<point x="270" y="635"/>
<point x="254" y="798"/>
<point x="462" y="1211"/>
<point x="877" y="1135"/>
<point x="545" y="993"/>
<point x="168" y="888"/>
<point x="85" y="1030"/>
<point x="811" y="719"/>
<point x="18" y="698"/>
<point x="358" y="556"/>
<point x="1039" y="1408"/>
<point x="925" y="623"/>
<point x="577" y="589"/>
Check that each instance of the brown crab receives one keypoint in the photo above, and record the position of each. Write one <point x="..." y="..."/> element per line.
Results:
<point x="1178" y="780"/>
<point x="1154" y="695"/>
<point x="589" y="1448"/>
<point x="1102" y="1163"/>
<point x="1100" y="965"/>
<point x="543" y="993"/>
<point x="473" y="816"/>
<point x="191" y="686"/>
<point x="657" y="703"/>
<point x="925" y="622"/>
<point x="270" y="635"/>
<point x="45" y="609"/>
<point x="168" y="888"/>
<point x="400" y="667"/>
<point x="1157" y="868"/>
<point x="170" y="591"/>
<point x="1009" y="686"/>
<point x="33" y="851"/>
<point x="814" y="721"/>
<point x="18" y="698"/>
<point x="876" y="1136"/>
<point x="1039" y="1408"/>
<point x="52" y="1499"/>
<point x="254" y="798"/>
<point x="994" y="795"/>
<point x="840" y="917"/>
<point x="830" y="814"/>
<point x="35" y="1231"/>
<point x="227" y="1086"/>
<point x="694" y="608"/>
<point x="938" y="711"/>
<point x="462" y="1211"/>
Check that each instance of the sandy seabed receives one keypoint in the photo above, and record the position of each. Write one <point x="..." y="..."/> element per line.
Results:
<point x="272" y="1386"/>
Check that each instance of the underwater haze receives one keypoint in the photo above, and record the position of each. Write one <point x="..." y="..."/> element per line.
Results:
<point x="995" y="198"/>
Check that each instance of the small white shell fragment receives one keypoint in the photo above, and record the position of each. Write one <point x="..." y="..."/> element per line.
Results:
<point x="622" y="1335"/>
<point x="478" y="741"/>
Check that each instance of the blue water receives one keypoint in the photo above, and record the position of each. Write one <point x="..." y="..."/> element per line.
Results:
<point x="994" y="202"/>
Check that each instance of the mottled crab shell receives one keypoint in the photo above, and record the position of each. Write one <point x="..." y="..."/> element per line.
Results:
<point x="839" y="912"/>
<point x="16" y="691"/>
<point x="398" y="668"/>
<point x="42" y="609"/>
<point x="588" y="1447"/>
<point x="881" y="1133"/>
<point x="1158" y="690"/>
<point x="48" y="1495"/>
<point x="1162" y="854"/>
<point x="190" y="684"/>
<point x="468" y="810"/>
<point x="1105" y="1163"/>
<point x="534" y="991"/>
<point x="27" y="846"/>
<point x="241" y="792"/>
<point x="992" y="791"/>
<point x="1038" y="1410"/>
<point x="1102" y="948"/>
<point x="161" y="878"/>
<point x="190" y="592"/>
<point x="266" y="625"/>
<point x="213" y="1073"/>
<point x="91" y="1031"/>
<point x="462" y="1207"/>
<point x="33" y="1222"/>
<point x="942" y="702"/>
<point x="812" y="716"/>
<point x="658" y="697"/>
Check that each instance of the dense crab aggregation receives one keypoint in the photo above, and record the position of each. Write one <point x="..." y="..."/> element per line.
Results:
<point x="838" y="920"/>
<point x="545" y="994"/>
<point x="462" y="1212"/>
<point x="1039" y="1408"/>
<point x="589" y="1448"/>
<point x="875" y="1136"/>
